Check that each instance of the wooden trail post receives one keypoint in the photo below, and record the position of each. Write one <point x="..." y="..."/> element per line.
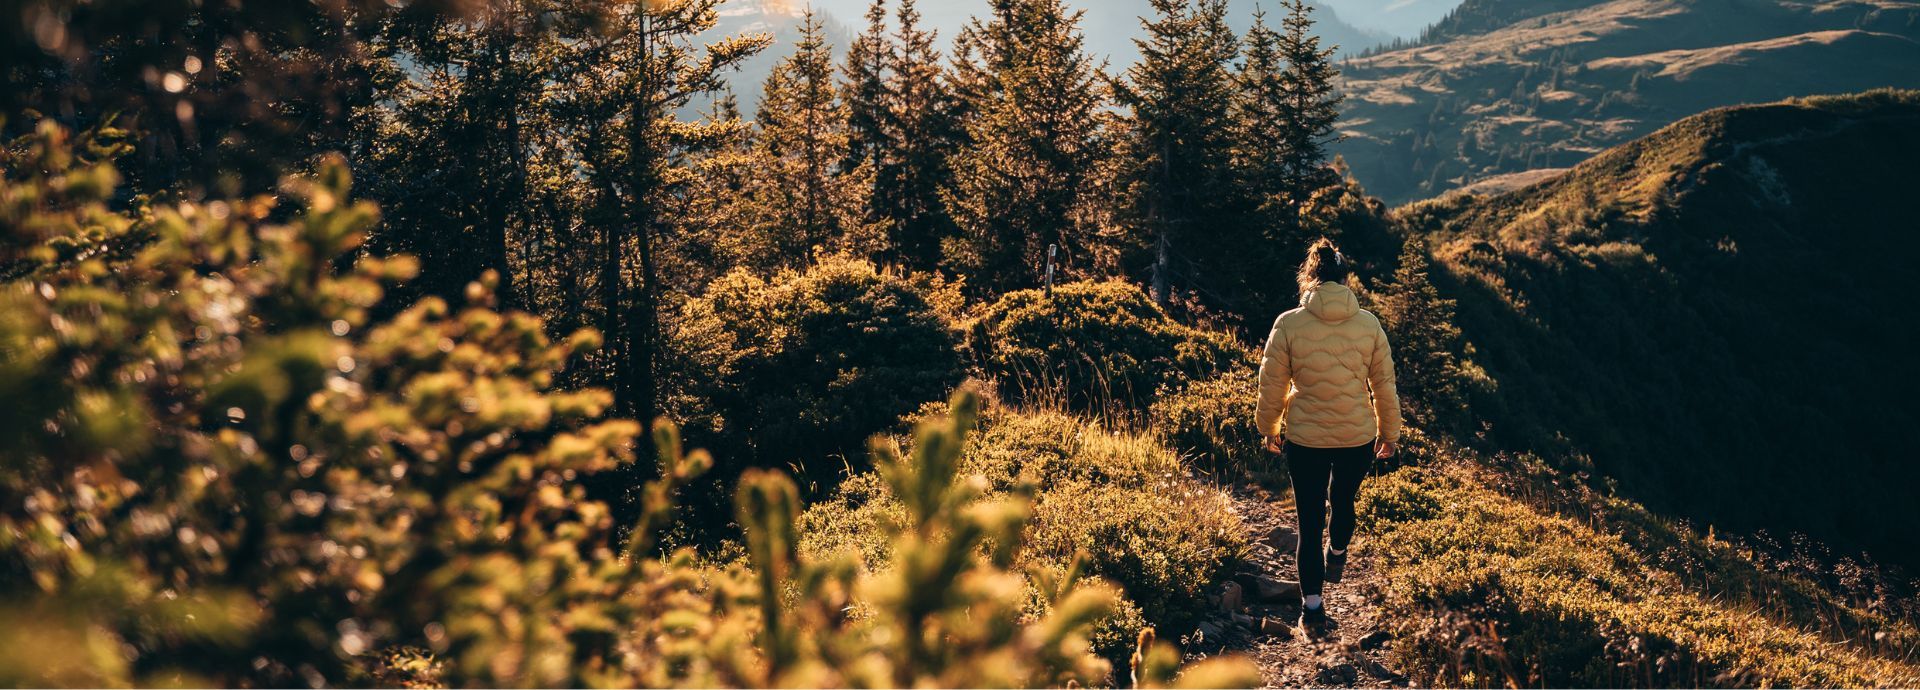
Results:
<point x="1052" y="250"/>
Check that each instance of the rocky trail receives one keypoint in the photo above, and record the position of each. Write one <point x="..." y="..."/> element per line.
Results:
<point x="1258" y="611"/>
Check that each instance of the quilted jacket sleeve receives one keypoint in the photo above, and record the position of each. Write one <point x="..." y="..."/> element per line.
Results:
<point x="1386" y="399"/>
<point x="1276" y="377"/>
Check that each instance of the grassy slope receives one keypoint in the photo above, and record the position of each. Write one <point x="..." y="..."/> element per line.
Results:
<point x="1503" y="571"/>
<point x="1550" y="89"/>
<point x="1711" y="322"/>
<point x="1719" y="315"/>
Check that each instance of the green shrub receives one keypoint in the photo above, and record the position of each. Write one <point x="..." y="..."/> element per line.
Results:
<point x="1163" y="545"/>
<point x="799" y="370"/>
<point x="1093" y="345"/>
<point x="1047" y="448"/>
<point x="1211" y="422"/>
<point x="1118" y="505"/>
<point x="858" y="517"/>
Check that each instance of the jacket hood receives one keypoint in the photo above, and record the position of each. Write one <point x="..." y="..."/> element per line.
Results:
<point x="1331" y="302"/>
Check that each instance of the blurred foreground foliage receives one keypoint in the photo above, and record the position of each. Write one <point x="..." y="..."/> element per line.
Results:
<point x="1106" y="503"/>
<point x="218" y="469"/>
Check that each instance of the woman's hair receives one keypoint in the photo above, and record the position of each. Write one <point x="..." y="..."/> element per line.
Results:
<point x="1325" y="264"/>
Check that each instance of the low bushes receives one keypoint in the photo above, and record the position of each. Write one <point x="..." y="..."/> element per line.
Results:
<point x="1212" y="423"/>
<point x="1164" y="545"/>
<point x="1120" y="505"/>
<point x="1093" y="346"/>
<point x="1048" y="448"/>
<point x="800" y="369"/>
<point x="229" y="473"/>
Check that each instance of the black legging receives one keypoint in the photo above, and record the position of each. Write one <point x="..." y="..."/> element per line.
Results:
<point x="1313" y="470"/>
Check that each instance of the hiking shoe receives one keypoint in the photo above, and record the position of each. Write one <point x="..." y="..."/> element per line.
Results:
<point x="1313" y="620"/>
<point x="1336" y="566"/>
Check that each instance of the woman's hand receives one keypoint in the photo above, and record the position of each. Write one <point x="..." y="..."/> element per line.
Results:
<point x="1276" y="444"/>
<point x="1383" y="449"/>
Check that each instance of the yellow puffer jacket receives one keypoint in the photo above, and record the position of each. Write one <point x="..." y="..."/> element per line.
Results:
<point x="1320" y="363"/>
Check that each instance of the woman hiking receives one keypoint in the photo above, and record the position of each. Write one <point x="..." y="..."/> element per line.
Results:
<point x="1327" y="404"/>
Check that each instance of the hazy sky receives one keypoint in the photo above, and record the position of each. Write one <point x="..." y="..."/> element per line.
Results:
<point x="1404" y="18"/>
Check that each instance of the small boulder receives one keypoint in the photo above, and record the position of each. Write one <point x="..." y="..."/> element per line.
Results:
<point x="1210" y="632"/>
<point x="1276" y="589"/>
<point x="1283" y="539"/>
<point x="1249" y="580"/>
<point x="1232" y="597"/>
<point x="1375" y="668"/>
<point x="1276" y="627"/>
<point x="1341" y="674"/>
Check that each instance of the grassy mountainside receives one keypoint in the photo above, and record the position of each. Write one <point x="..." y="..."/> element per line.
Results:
<point x="1510" y="86"/>
<point x="1502" y="571"/>
<point x="1719" y="315"/>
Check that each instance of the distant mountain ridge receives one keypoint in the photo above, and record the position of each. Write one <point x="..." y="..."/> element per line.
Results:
<point x="1562" y="80"/>
<point x="1401" y="18"/>
<point x="1720" y="314"/>
<point x="1473" y="17"/>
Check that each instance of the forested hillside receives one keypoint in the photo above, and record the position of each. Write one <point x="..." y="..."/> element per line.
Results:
<point x="1504" y="87"/>
<point x="1714" y="314"/>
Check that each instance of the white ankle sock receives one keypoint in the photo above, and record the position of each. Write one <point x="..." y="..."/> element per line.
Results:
<point x="1337" y="552"/>
<point x="1313" y="601"/>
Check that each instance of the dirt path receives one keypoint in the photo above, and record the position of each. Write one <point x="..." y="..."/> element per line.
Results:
<point x="1352" y="653"/>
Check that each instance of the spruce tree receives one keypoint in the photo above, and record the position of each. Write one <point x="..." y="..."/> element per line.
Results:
<point x="624" y="73"/>
<point x="1260" y="125"/>
<point x="867" y="94"/>
<point x="805" y="140"/>
<point x="1310" y="105"/>
<point x="1027" y="178"/>
<point x="1179" y="142"/>
<point x="476" y="81"/>
<point x="1426" y="342"/>
<point x="924" y="131"/>
<point x="1279" y="151"/>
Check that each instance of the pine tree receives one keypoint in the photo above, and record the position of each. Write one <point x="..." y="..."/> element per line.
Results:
<point x="1179" y="144"/>
<point x="476" y="81"/>
<point x="805" y="140"/>
<point x="868" y="91"/>
<point x="1426" y="342"/>
<point x="1309" y="105"/>
<point x="1283" y="117"/>
<point x="626" y="72"/>
<point x="1026" y="180"/>
<point x="1261" y="125"/>
<point x="924" y="131"/>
